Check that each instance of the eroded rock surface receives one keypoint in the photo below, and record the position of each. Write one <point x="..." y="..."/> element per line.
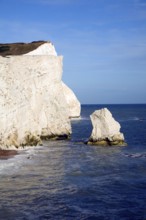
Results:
<point x="33" y="105"/>
<point x="72" y="102"/>
<point x="106" y="130"/>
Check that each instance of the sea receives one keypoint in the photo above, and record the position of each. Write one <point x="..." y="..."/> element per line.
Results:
<point x="69" y="180"/>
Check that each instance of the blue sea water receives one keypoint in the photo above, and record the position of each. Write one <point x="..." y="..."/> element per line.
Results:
<point x="70" y="180"/>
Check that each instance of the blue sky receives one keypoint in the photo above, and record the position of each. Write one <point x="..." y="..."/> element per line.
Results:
<point x="103" y="43"/>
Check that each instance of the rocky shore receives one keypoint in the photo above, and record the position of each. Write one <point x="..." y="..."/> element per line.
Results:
<point x="7" y="154"/>
<point x="34" y="102"/>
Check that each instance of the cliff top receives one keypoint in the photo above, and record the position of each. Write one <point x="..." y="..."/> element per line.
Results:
<point x="19" y="48"/>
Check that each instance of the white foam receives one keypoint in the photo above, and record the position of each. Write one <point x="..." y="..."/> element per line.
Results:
<point x="14" y="164"/>
<point x="136" y="155"/>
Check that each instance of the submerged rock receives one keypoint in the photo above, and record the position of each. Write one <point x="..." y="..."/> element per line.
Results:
<point x="106" y="131"/>
<point x="33" y="103"/>
<point x="6" y="154"/>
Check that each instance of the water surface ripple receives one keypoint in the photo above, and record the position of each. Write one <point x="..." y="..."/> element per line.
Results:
<point x="70" y="180"/>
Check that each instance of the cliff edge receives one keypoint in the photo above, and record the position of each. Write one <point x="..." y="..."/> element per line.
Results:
<point x="33" y="105"/>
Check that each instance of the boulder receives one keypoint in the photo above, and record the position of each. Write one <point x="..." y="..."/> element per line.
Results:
<point x="106" y="130"/>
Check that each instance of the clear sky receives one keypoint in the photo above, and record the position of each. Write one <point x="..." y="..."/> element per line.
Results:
<point x="103" y="43"/>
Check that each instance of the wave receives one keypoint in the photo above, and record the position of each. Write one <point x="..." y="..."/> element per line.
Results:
<point x="14" y="164"/>
<point x="137" y="119"/>
<point x="85" y="118"/>
<point x="133" y="119"/>
<point x="136" y="155"/>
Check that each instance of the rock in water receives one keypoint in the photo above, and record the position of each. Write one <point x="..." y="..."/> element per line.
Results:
<point x="6" y="154"/>
<point x="33" y="105"/>
<point x="106" y="131"/>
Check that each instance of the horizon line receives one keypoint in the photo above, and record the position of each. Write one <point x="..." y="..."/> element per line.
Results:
<point x="113" y="104"/>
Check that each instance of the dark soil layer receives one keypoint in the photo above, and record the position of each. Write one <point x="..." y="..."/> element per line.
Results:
<point x="6" y="154"/>
<point x="19" y="48"/>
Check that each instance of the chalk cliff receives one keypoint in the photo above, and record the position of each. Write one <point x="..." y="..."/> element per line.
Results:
<point x="72" y="102"/>
<point x="106" y="130"/>
<point x="33" y="105"/>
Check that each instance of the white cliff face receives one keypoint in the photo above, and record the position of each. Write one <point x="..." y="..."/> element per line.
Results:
<point x="106" y="131"/>
<point x="72" y="101"/>
<point x="32" y="101"/>
<point x="45" y="49"/>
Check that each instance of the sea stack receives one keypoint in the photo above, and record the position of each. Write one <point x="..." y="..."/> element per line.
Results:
<point x="33" y="104"/>
<point x="106" y="131"/>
